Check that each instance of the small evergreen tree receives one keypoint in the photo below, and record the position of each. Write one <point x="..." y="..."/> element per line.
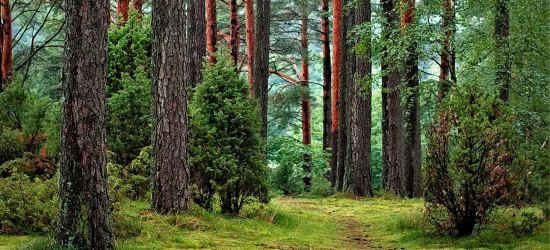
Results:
<point x="470" y="166"/>
<point x="226" y="148"/>
<point x="129" y="88"/>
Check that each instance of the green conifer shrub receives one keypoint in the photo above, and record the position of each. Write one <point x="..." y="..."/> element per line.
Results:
<point x="470" y="166"/>
<point x="129" y="88"/>
<point x="226" y="148"/>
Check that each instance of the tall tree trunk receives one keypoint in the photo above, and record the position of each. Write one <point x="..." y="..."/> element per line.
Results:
<point x="170" y="190"/>
<point x="6" y="43"/>
<point x="261" y="60"/>
<point x="84" y="219"/>
<point x="392" y="116"/>
<point x="249" y="19"/>
<point x="122" y="8"/>
<point x="336" y="41"/>
<point x="211" y="29"/>
<point x="345" y="163"/>
<point x="196" y="42"/>
<point x="447" y="75"/>
<point x="362" y="110"/>
<point x="412" y="162"/>
<point x="327" y="112"/>
<point x="138" y="5"/>
<point x="502" y="50"/>
<point x="306" y="106"/>
<point x="234" y="39"/>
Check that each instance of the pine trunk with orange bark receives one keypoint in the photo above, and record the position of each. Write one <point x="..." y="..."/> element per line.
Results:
<point x="6" y="43"/>
<point x="412" y="175"/>
<point x="138" y="5"/>
<point x="211" y="29"/>
<point x="122" y="8"/>
<point x="234" y="39"/>
<point x="249" y="23"/>
<point x="306" y="106"/>
<point x="336" y="40"/>
<point x="327" y="71"/>
<point x="447" y="75"/>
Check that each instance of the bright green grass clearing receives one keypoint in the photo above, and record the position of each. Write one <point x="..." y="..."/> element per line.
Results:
<point x="331" y="223"/>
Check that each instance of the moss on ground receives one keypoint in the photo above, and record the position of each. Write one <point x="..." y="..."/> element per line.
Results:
<point x="337" y="222"/>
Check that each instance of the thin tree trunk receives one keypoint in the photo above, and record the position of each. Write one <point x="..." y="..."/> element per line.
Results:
<point x="362" y="112"/>
<point x="336" y="41"/>
<point x="170" y="190"/>
<point x="234" y="30"/>
<point x="327" y="112"/>
<point x="196" y="42"/>
<point x="392" y="116"/>
<point x="84" y="219"/>
<point x="211" y="29"/>
<point x="502" y="50"/>
<point x="447" y="75"/>
<point x="138" y="5"/>
<point x="249" y="19"/>
<point x="412" y="153"/>
<point x="306" y="106"/>
<point x="6" y="43"/>
<point x="261" y="60"/>
<point x="122" y="8"/>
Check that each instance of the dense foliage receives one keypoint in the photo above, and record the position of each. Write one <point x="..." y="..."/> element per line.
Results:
<point x="226" y="149"/>
<point x="470" y="166"/>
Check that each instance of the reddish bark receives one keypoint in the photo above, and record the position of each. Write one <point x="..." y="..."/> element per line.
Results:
<point x="306" y="106"/>
<point x="336" y="40"/>
<point x="249" y="19"/>
<point x="6" y="41"/>
<point x="234" y="30"/>
<point x="327" y="112"/>
<point x="211" y="29"/>
<point x="138" y="5"/>
<point x="447" y="62"/>
<point x="122" y="8"/>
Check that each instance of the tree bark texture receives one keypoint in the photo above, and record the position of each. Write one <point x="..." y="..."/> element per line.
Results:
<point x="392" y="116"/>
<point x="447" y="75"/>
<point x="327" y="71"/>
<point x="6" y="43"/>
<point x="138" y="5"/>
<point x="261" y="60"/>
<point x="196" y="42"/>
<point x="412" y="162"/>
<point x="122" y="8"/>
<point x="211" y="29"/>
<point x="502" y="50"/>
<point x="336" y="41"/>
<point x="344" y="155"/>
<point x="234" y="39"/>
<point x="362" y="112"/>
<point x="249" y="23"/>
<point x="170" y="190"/>
<point x="84" y="220"/>
<point x="306" y="105"/>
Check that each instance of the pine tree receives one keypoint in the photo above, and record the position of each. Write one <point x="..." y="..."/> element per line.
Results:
<point x="261" y="60"/>
<point x="6" y="41"/>
<point x="84" y="209"/>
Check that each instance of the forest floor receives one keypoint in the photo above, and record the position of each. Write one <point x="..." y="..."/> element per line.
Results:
<point x="337" y="222"/>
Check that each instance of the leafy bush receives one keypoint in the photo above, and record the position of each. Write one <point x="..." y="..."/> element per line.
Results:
<point x="226" y="149"/>
<point x="469" y="162"/>
<point x="132" y="181"/>
<point x="29" y="129"/>
<point x="526" y="226"/>
<point x="129" y="89"/>
<point x="27" y="205"/>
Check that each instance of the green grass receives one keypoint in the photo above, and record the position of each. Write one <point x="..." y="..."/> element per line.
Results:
<point x="337" y="222"/>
